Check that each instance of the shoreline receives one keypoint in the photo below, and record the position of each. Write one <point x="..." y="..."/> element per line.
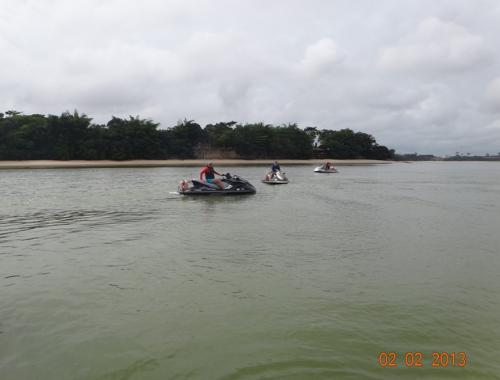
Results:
<point x="74" y="164"/>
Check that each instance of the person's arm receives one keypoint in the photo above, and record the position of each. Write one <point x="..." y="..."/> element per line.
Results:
<point x="217" y="173"/>
<point x="203" y="171"/>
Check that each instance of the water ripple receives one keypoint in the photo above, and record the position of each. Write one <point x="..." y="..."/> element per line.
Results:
<point x="26" y="227"/>
<point x="299" y="369"/>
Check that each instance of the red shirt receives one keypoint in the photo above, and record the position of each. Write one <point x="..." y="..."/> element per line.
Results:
<point x="209" y="172"/>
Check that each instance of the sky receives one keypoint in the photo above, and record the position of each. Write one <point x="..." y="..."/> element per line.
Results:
<point x="419" y="75"/>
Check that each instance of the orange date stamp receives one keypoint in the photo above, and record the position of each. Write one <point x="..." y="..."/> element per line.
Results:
<point x="418" y="359"/>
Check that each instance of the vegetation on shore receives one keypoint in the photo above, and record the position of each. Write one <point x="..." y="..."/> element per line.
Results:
<point x="73" y="136"/>
<point x="456" y="157"/>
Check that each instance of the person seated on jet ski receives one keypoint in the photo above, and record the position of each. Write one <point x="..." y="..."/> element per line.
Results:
<point x="209" y="173"/>
<point x="274" y="169"/>
<point x="328" y="165"/>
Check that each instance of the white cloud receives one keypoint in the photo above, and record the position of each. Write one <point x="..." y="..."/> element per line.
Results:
<point x="492" y="95"/>
<point x="319" y="57"/>
<point x="412" y="74"/>
<point x="436" y="45"/>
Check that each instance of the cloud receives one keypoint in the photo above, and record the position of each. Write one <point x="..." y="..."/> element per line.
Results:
<point x="492" y="95"/>
<point x="418" y="76"/>
<point x="319" y="57"/>
<point x="436" y="45"/>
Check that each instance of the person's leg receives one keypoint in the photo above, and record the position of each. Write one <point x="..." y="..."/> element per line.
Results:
<point x="219" y="183"/>
<point x="213" y="181"/>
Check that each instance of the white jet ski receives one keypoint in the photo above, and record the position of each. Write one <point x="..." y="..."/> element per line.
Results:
<point x="279" y="178"/>
<point x="323" y="169"/>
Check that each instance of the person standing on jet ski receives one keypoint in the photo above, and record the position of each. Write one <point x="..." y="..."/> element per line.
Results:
<point x="209" y="173"/>
<point x="274" y="169"/>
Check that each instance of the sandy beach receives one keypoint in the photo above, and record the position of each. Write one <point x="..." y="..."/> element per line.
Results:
<point x="53" y="164"/>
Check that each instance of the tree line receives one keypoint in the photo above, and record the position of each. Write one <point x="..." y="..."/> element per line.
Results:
<point x="73" y="136"/>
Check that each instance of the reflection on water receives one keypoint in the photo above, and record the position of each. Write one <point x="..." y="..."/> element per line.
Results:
<point x="105" y="274"/>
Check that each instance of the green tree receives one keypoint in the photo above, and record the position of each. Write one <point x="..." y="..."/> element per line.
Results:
<point x="289" y="141"/>
<point x="73" y="136"/>
<point x="23" y="137"/>
<point x="253" y="140"/>
<point x="184" y="137"/>
<point x="66" y="133"/>
<point x="132" y="138"/>
<point x="221" y="135"/>
<point x="349" y="144"/>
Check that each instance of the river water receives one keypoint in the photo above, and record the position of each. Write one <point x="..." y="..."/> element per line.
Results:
<point x="105" y="274"/>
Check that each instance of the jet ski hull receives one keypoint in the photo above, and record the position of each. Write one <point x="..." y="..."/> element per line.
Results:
<point x="319" y="169"/>
<point x="277" y="182"/>
<point x="201" y="192"/>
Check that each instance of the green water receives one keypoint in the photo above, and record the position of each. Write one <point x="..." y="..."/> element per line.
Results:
<point x="104" y="274"/>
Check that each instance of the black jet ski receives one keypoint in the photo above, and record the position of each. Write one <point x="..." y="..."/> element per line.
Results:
<point x="233" y="185"/>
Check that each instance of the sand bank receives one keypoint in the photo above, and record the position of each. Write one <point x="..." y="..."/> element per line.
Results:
<point x="52" y="164"/>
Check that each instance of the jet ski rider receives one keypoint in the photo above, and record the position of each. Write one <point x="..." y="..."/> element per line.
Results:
<point x="274" y="169"/>
<point x="209" y="173"/>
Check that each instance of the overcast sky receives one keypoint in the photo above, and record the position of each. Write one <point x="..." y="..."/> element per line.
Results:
<point x="419" y="75"/>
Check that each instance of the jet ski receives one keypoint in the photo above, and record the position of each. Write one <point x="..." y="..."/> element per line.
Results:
<point x="323" y="169"/>
<point x="279" y="178"/>
<point x="233" y="185"/>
